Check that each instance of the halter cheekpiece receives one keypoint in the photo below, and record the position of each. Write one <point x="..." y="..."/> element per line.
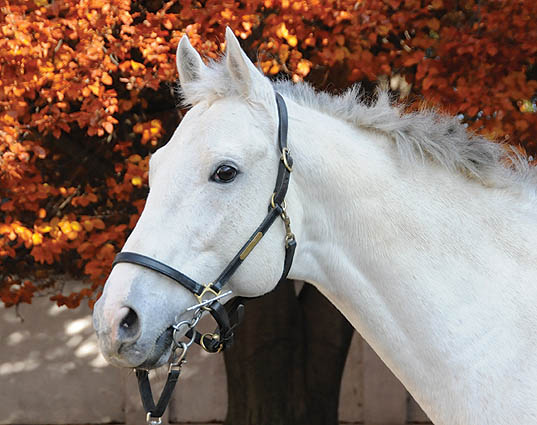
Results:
<point x="209" y="295"/>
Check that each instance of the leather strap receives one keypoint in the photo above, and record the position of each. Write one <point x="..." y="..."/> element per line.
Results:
<point x="147" y="396"/>
<point x="151" y="263"/>
<point x="288" y="262"/>
<point x="284" y="175"/>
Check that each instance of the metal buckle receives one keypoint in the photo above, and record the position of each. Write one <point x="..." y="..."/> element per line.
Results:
<point x="151" y="420"/>
<point x="284" y="158"/>
<point x="207" y="289"/>
<point x="213" y="336"/>
<point x="204" y="303"/>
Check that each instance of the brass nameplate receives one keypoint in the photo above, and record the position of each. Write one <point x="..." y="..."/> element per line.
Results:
<point x="251" y="246"/>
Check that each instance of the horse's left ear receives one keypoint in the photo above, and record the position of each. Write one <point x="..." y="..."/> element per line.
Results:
<point x="189" y="63"/>
<point x="250" y="80"/>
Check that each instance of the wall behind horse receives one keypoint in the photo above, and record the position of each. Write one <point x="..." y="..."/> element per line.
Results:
<point x="51" y="372"/>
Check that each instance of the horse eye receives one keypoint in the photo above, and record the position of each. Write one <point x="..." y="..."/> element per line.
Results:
<point x="224" y="174"/>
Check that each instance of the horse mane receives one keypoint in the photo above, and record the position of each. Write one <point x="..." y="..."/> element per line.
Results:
<point x="419" y="135"/>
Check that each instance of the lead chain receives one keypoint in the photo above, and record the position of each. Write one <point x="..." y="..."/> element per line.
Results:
<point x="190" y="324"/>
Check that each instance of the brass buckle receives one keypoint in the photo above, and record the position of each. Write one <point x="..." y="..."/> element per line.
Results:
<point x="285" y="160"/>
<point x="207" y="289"/>
<point x="213" y="336"/>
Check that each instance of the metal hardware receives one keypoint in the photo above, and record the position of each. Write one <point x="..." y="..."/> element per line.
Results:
<point x="285" y="160"/>
<point x="151" y="420"/>
<point x="207" y="289"/>
<point x="289" y="235"/>
<point x="214" y="336"/>
<point x="190" y="324"/>
<point x="204" y="303"/>
<point x="273" y="204"/>
<point x="176" y="329"/>
<point x="181" y="358"/>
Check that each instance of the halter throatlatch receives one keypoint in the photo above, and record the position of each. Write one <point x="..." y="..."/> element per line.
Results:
<point x="209" y="295"/>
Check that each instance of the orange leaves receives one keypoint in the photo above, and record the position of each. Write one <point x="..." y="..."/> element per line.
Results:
<point x="82" y="87"/>
<point x="37" y="239"/>
<point x="107" y="79"/>
<point x="413" y="58"/>
<point x="98" y="223"/>
<point x="13" y="291"/>
<point x="437" y="4"/>
<point x="521" y="125"/>
<point x="284" y="33"/>
<point x="304" y="67"/>
<point x="109" y="127"/>
<point x="492" y="50"/>
<point x="94" y="88"/>
<point x="137" y="181"/>
<point x="150" y="131"/>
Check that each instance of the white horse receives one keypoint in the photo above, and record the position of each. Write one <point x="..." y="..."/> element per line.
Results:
<point x="415" y="230"/>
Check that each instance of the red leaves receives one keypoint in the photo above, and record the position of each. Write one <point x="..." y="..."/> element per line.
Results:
<point x="76" y="125"/>
<point x="413" y="59"/>
<point x="13" y="292"/>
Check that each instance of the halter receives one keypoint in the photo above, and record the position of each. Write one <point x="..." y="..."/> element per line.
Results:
<point x="208" y="295"/>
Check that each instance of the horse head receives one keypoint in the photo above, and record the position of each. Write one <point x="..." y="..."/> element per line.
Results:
<point x="209" y="190"/>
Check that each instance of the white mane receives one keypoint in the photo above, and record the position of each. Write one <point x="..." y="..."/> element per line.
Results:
<point x="417" y="135"/>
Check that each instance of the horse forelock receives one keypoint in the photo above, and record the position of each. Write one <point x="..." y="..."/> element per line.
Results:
<point x="418" y="136"/>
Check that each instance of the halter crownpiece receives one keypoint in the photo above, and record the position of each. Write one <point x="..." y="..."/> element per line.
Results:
<point x="227" y="319"/>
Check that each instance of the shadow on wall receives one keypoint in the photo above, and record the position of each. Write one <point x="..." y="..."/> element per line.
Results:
<point x="51" y="370"/>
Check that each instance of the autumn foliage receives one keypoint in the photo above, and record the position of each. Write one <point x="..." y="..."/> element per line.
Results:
<point x="86" y="94"/>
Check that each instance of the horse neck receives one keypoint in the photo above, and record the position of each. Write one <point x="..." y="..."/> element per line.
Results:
<point x="430" y="267"/>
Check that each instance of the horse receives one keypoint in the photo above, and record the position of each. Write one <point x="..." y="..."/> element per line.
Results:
<point x="421" y="233"/>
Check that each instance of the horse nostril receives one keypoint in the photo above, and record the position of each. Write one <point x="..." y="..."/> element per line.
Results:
<point x="129" y="326"/>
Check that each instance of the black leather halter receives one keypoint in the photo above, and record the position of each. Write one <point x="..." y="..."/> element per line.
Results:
<point x="224" y="337"/>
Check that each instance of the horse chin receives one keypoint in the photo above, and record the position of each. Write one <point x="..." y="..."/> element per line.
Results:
<point x="161" y="352"/>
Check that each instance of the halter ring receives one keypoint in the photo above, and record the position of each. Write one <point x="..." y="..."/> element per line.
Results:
<point x="273" y="204"/>
<point x="176" y="328"/>
<point x="285" y="160"/>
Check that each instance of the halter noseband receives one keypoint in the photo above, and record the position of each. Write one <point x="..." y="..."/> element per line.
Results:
<point x="227" y="319"/>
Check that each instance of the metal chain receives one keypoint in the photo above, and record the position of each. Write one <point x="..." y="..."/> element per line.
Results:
<point x="189" y="324"/>
<point x="289" y="235"/>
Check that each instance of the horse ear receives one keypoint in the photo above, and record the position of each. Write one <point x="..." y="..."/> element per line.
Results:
<point x="189" y="63"/>
<point x="250" y="81"/>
